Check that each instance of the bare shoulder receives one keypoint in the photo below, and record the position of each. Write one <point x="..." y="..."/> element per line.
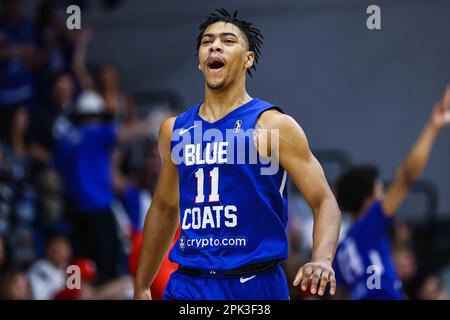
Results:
<point x="165" y="130"/>
<point x="274" y="119"/>
<point x="165" y="136"/>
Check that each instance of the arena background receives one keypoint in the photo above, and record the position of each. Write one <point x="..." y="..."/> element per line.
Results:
<point x="362" y="96"/>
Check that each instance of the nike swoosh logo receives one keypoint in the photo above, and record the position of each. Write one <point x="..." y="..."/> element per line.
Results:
<point x="183" y="130"/>
<point x="244" y="280"/>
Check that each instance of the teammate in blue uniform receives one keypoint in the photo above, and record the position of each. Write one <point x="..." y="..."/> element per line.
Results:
<point x="225" y="165"/>
<point x="363" y="262"/>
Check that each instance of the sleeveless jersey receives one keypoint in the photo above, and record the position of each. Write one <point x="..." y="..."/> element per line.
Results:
<point x="232" y="213"/>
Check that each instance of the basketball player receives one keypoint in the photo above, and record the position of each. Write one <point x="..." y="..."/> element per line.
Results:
<point x="363" y="261"/>
<point x="233" y="216"/>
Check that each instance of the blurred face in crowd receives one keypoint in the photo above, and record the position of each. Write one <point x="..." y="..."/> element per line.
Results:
<point x="21" y="120"/>
<point x="17" y="287"/>
<point x="223" y="55"/>
<point x="402" y="233"/>
<point x="63" y="90"/>
<point x="59" y="252"/>
<point x="431" y="289"/>
<point x="405" y="263"/>
<point x="108" y="77"/>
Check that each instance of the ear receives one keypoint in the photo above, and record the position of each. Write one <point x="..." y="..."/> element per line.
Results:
<point x="249" y="59"/>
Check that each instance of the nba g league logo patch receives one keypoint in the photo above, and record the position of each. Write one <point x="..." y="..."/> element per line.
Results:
<point x="237" y="126"/>
<point x="182" y="243"/>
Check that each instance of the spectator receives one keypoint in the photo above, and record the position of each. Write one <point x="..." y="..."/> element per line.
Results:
<point x="107" y="83"/>
<point x="432" y="289"/>
<point x="85" y="290"/>
<point x="21" y="203"/>
<point x="16" y="53"/>
<point x="54" y="43"/>
<point x="82" y="159"/>
<point x="119" y="288"/>
<point x="48" y="275"/>
<point x="15" y="286"/>
<point x="14" y="148"/>
<point x="116" y="101"/>
<point x="361" y="193"/>
<point x="21" y="242"/>
<point x="137" y="183"/>
<point x="52" y="120"/>
<point x="406" y="265"/>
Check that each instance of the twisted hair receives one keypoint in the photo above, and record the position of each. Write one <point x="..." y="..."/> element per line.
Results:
<point x="252" y="34"/>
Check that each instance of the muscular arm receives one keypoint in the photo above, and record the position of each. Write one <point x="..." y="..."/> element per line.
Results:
<point x="304" y="169"/>
<point x="162" y="218"/>
<point x="417" y="158"/>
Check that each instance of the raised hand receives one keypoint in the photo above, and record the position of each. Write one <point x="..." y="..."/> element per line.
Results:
<point x="441" y="110"/>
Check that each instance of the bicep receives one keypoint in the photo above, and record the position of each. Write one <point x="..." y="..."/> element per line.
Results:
<point x="166" y="192"/>
<point x="302" y="166"/>
<point x="308" y="176"/>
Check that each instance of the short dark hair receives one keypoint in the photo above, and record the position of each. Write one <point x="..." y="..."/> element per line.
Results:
<point x="60" y="74"/>
<point x="252" y="34"/>
<point x="54" y="236"/>
<point x="354" y="186"/>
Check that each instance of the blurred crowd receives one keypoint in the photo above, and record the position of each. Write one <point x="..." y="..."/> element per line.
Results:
<point x="78" y="162"/>
<point x="419" y="281"/>
<point x="78" y="165"/>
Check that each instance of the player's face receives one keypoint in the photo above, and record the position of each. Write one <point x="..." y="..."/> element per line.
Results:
<point x="223" y="55"/>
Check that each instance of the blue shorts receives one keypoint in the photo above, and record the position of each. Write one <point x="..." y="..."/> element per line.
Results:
<point x="267" y="285"/>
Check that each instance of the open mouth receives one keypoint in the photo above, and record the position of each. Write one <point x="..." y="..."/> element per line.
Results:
<point x="215" y="65"/>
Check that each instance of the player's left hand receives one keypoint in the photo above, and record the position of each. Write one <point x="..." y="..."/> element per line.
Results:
<point x="316" y="271"/>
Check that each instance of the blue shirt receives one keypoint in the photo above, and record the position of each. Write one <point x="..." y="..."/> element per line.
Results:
<point x="363" y="262"/>
<point x="231" y="214"/>
<point x="83" y="160"/>
<point x="16" y="83"/>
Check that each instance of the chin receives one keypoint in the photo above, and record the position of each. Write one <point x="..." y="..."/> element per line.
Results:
<point x="217" y="85"/>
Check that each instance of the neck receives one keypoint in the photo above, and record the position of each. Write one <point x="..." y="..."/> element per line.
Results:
<point x="364" y="208"/>
<point x="218" y="103"/>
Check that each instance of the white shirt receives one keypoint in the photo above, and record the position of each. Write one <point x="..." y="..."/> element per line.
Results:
<point x="46" y="280"/>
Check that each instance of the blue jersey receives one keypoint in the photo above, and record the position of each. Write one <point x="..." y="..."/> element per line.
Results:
<point x="232" y="212"/>
<point x="363" y="260"/>
<point x="83" y="160"/>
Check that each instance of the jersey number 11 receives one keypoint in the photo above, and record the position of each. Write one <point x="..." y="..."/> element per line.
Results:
<point x="214" y="175"/>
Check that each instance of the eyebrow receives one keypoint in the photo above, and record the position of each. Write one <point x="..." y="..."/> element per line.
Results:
<point x="221" y="34"/>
